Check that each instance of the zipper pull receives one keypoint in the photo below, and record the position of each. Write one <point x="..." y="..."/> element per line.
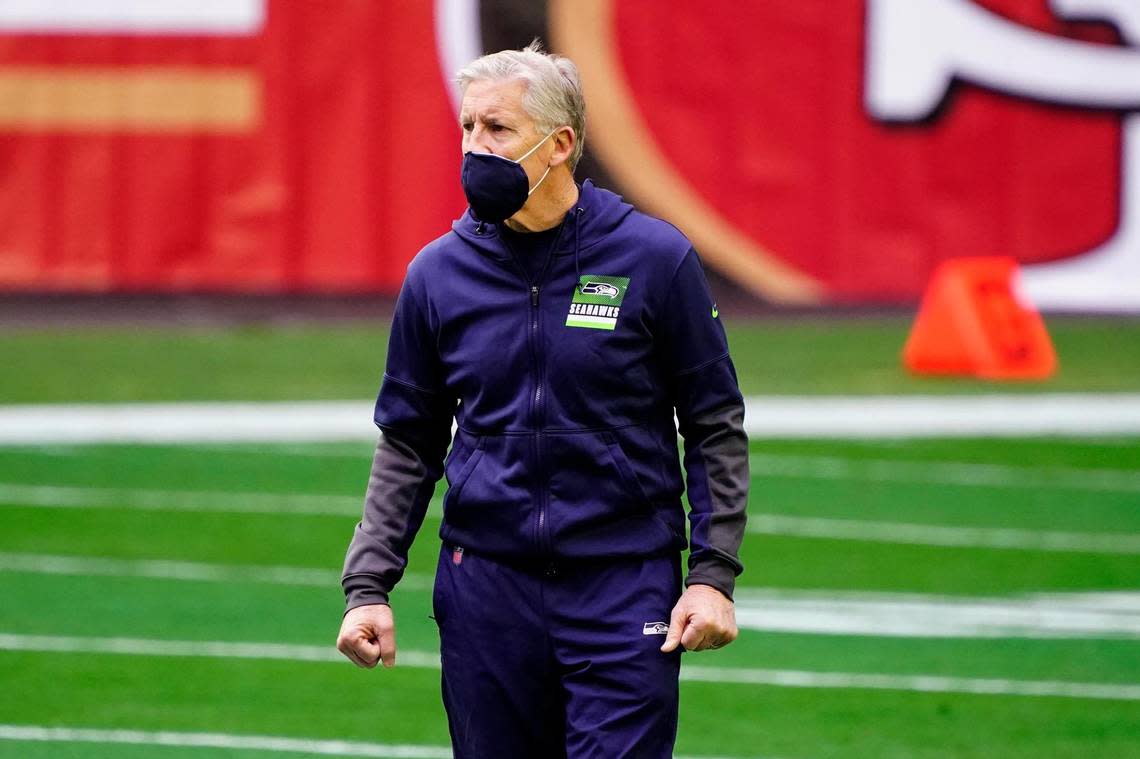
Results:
<point x="534" y="295"/>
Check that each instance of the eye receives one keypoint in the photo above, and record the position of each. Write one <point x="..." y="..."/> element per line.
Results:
<point x="467" y="126"/>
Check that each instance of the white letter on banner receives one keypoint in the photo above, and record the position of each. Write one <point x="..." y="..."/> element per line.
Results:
<point x="916" y="48"/>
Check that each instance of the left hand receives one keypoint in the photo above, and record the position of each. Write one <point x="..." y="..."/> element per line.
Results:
<point x="703" y="618"/>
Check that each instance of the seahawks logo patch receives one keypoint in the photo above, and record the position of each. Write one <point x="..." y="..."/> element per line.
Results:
<point x="597" y="301"/>
<point x="601" y="288"/>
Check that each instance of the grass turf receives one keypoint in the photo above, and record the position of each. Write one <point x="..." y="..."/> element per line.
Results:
<point x="1040" y="484"/>
<point x="811" y="356"/>
<point x="317" y="700"/>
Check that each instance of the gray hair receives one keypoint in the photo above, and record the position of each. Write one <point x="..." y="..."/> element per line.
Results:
<point x="553" y="94"/>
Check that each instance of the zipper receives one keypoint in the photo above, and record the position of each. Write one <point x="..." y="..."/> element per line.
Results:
<point x="539" y="409"/>
<point x="537" y="418"/>
<point x="541" y="528"/>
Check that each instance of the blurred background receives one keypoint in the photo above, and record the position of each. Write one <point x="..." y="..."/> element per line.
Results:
<point x="206" y="210"/>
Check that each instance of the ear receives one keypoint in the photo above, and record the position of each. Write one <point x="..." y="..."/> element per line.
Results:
<point x="564" y="141"/>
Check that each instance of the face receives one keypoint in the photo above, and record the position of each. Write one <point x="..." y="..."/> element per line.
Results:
<point x="494" y="121"/>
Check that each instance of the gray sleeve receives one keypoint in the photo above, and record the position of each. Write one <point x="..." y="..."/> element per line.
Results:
<point x="400" y="487"/>
<point x="716" y="465"/>
<point x="710" y="413"/>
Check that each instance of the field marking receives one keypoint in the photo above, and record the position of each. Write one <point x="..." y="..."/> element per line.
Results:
<point x="209" y="649"/>
<point x="63" y="497"/>
<point x="187" y="422"/>
<point x="1074" y="414"/>
<point x="1095" y="615"/>
<point x="917" y="683"/>
<point x="945" y="473"/>
<point x="1110" y="614"/>
<point x="738" y="675"/>
<point x="944" y="535"/>
<point x="322" y="747"/>
<point x="161" y="569"/>
<point x="68" y="497"/>
<point x="223" y="741"/>
<point x="1059" y="615"/>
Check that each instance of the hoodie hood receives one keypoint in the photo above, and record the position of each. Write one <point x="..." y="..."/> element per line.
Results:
<point x="597" y="213"/>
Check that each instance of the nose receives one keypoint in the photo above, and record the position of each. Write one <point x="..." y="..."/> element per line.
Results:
<point x="475" y="141"/>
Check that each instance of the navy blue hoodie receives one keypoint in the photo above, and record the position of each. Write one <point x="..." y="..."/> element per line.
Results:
<point x="564" y="391"/>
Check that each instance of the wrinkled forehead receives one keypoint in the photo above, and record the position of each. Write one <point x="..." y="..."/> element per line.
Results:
<point x="494" y="100"/>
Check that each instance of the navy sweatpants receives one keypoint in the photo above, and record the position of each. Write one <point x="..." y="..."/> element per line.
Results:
<point x="545" y="660"/>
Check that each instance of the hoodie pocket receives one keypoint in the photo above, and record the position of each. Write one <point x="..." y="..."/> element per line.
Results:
<point x="456" y="482"/>
<point x="632" y="483"/>
<point x="625" y="470"/>
<point x="598" y="504"/>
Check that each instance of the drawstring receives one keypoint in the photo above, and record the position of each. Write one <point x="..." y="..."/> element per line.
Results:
<point x="577" y="245"/>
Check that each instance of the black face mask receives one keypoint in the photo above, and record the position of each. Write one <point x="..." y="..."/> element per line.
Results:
<point x="497" y="187"/>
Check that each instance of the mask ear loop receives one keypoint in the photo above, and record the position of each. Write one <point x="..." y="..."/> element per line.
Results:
<point x="531" y="190"/>
<point x="528" y="153"/>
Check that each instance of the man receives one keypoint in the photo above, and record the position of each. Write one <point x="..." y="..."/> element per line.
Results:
<point x="562" y="330"/>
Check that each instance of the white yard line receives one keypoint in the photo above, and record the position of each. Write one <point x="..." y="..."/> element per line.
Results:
<point x="944" y="535"/>
<point x="944" y="473"/>
<point x="738" y="675"/>
<point x="1076" y="414"/>
<point x="223" y="741"/>
<point x="65" y="497"/>
<point x="766" y="416"/>
<point x="921" y="683"/>
<point x="1044" y="615"/>
<point x="83" y="566"/>
<point x="187" y="422"/>
<point x="208" y="649"/>
<point x="41" y="734"/>
<point x="69" y="497"/>
<point x="1101" y="615"/>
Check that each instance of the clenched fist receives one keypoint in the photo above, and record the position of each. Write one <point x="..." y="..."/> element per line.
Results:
<point x="703" y="618"/>
<point x="368" y="636"/>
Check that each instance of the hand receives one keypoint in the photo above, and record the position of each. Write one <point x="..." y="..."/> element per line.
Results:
<point x="368" y="636"/>
<point x="703" y="618"/>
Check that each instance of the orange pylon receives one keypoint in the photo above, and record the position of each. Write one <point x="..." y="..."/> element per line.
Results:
<point x="970" y="323"/>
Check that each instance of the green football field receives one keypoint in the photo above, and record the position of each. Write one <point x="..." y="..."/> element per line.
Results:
<point x="182" y="600"/>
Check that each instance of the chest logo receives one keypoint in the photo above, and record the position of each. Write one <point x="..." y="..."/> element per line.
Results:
<point x="597" y="301"/>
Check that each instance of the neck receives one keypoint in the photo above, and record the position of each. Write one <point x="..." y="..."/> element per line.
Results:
<point x="548" y="205"/>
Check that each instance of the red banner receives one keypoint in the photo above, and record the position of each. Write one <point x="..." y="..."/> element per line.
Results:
<point x="816" y="151"/>
<point x="314" y="152"/>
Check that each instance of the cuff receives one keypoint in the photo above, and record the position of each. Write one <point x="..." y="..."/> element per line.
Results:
<point x="362" y="590"/>
<point x="714" y="573"/>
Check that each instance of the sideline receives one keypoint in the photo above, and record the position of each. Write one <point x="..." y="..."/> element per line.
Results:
<point x="1072" y="414"/>
<point x="735" y="675"/>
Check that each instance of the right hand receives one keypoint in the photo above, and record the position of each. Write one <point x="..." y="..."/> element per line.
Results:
<point x="368" y="636"/>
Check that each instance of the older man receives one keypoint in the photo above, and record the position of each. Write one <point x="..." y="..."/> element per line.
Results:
<point x="562" y="330"/>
